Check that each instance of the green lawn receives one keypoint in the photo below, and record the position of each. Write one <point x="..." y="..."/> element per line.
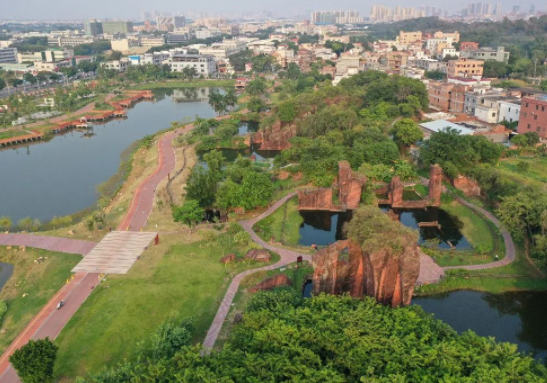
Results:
<point x="536" y="173"/>
<point x="185" y="84"/>
<point x="31" y="286"/>
<point x="13" y="133"/>
<point x="283" y="225"/>
<point x="179" y="278"/>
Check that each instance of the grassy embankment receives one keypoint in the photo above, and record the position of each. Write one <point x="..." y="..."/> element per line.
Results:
<point x="31" y="286"/>
<point x="181" y="277"/>
<point x="185" y="84"/>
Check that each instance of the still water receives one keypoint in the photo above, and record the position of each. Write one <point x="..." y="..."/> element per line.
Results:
<point x="323" y="228"/>
<point x="516" y="317"/>
<point x="60" y="177"/>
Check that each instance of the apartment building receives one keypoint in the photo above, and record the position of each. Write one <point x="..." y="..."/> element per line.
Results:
<point x="93" y="28"/>
<point x="509" y="110"/>
<point x="49" y="55"/>
<point x="454" y="36"/>
<point x="464" y="67"/>
<point x="405" y="38"/>
<point x="486" y="53"/>
<point x="533" y="115"/>
<point x="203" y="64"/>
<point x="118" y="65"/>
<point x="8" y="55"/>
<point x="52" y="66"/>
<point x="224" y="49"/>
<point x="152" y="41"/>
<point x="69" y="41"/>
<point x="114" y="27"/>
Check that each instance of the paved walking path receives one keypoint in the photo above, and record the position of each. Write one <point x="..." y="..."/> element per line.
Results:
<point x="63" y="245"/>
<point x="510" y="251"/>
<point x="49" y="321"/>
<point x="287" y="257"/>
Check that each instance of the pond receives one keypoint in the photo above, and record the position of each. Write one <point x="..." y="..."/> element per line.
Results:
<point x="322" y="228"/>
<point x="516" y="317"/>
<point x="231" y="154"/>
<point x="60" y="177"/>
<point x="449" y="232"/>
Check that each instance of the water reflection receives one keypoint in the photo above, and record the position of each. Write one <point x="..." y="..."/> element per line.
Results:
<point x="60" y="177"/>
<point x="516" y="317"/>
<point x="450" y="226"/>
<point x="322" y="228"/>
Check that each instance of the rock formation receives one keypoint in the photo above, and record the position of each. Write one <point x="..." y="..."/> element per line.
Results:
<point x="435" y="185"/>
<point x="261" y="255"/>
<point x="344" y="268"/>
<point x="271" y="283"/>
<point x="396" y="188"/>
<point x="348" y="185"/>
<point x="228" y="258"/>
<point x="467" y="185"/>
<point x="275" y="137"/>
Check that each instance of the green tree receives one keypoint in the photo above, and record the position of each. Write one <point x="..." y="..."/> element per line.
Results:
<point x="256" y="87"/>
<point x="5" y="223"/>
<point x="34" y="361"/>
<point x="406" y="133"/>
<point x="519" y="140"/>
<point x="286" y="111"/>
<point x="255" y="104"/>
<point x="190" y="213"/>
<point x="435" y="75"/>
<point x="115" y="55"/>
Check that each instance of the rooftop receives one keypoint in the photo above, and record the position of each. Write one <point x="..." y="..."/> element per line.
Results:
<point x="440" y="125"/>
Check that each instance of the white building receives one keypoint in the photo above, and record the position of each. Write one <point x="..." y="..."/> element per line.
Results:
<point x="151" y="41"/>
<point x="119" y="65"/>
<point x="509" y="110"/>
<point x="204" y="65"/>
<point x="8" y="55"/>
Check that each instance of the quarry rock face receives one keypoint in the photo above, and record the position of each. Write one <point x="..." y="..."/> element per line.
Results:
<point x="271" y="283"/>
<point x="228" y="258"/>
<point x="396" y="188"/>
<point x="344" y="268"/>
<point x="467" y="185"/>
<point x="348" y="187"/>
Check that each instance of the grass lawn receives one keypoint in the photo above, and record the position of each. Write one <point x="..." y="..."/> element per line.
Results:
<point x="185" y="84"/>
<point x="13" y="133"/>
<point x="181" y="277"/>
<point x="519" y="275"/>
<point x="37" y="281"/>
<point x="282" y="225"/>
<point x="536" y="173"/>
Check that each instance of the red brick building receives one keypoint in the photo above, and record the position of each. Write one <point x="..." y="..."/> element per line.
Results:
<point x="533" y="115"/>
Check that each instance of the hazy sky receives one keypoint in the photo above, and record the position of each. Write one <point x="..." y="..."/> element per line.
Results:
<point x="81" y="9"/>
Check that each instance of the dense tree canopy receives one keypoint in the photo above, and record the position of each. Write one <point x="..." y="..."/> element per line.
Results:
<point x="34" y="361"/>
<point x="338" y="339"/>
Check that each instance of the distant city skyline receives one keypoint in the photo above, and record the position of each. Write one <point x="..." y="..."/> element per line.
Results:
<point x="132" y="9"/>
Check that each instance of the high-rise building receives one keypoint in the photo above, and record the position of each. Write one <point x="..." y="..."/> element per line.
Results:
<point x="380" y="13"/>
<point x="93" y="27"/>
<point x="114" y="27"/>
<point x="335" y="17"/>
<point x="497" y="10"/>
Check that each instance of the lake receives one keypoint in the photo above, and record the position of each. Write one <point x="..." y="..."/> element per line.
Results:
<point x="60" y="177"/>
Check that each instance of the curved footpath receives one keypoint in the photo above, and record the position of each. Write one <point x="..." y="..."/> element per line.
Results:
<point x="287" y="257"/>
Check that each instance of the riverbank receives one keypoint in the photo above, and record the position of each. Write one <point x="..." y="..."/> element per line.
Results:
<point x="186" y="84"/>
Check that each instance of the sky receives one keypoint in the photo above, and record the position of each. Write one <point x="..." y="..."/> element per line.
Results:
<point x="132" y="9"/>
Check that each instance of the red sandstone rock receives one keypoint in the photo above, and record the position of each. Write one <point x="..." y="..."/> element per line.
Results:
<point x="467" y="185"/>
<point x="261" y="255"/>
<point x="344" y="268"/>
<point x="228" y="258"/>
<point x="349" y="187"/>
<point x="271" y="283"/>
<point x="435" y="185"/>
<point x="275" y="137"/>
<point x="283" y="175"/>
<point x="396" y="189"/>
